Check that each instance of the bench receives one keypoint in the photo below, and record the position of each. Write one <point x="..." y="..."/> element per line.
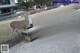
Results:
<point x="27" y="33"/>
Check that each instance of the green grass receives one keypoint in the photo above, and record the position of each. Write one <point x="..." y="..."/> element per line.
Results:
<point x="5" y="30"/>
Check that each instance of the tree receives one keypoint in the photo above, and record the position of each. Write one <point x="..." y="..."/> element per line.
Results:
<point x="43" y="2"/>
<point x="31" y="3"/>
<point x="23" y="4"/>
<point x="38" y="2"/>
<point x="48" y="2"/>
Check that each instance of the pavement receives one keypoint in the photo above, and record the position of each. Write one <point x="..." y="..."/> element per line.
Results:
<point x="61" y="34"/>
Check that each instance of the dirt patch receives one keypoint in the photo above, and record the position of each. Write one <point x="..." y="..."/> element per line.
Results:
<point x="14" y="41"/>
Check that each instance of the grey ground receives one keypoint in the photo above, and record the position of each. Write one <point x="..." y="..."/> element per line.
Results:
<point x="61" y="36"/>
